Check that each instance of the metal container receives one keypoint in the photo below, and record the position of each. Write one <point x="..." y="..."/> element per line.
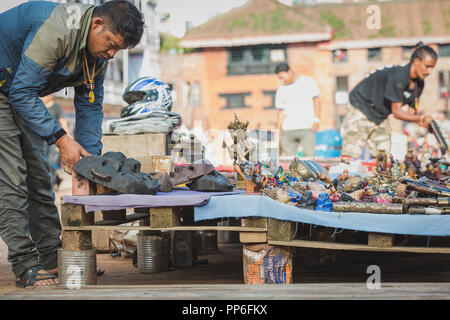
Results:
<point x="208" y="240"/>
<point x="182" y="248"/>
<point x="77" y="268"/>
<point x="153" y="253"/>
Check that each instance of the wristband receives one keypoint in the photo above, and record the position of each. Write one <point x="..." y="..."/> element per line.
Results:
<point x="59" y="135"/>
<point x="316" y="120"/>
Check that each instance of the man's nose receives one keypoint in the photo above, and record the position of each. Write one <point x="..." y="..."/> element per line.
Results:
<point x="112" y="52"/>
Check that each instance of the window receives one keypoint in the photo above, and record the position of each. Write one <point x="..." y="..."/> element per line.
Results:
<point x="374" y="54"/>
<point x="237" y="55"/>
<point x="341" y="93"/>
<point x="444" y="50"/>
<point x="255" y="59"/>
<point x="340" y="55"/>
<point x="407" y="52"/>
<point x="258" y="54"/>
<point x="235" y="100"/>
<point x="271" y="94"/>
<point x="340" y="99"/>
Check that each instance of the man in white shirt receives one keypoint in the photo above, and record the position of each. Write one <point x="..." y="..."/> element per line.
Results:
<point x="298" y="97"/>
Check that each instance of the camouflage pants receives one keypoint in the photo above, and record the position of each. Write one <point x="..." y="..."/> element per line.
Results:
<point x="358" y="132"/>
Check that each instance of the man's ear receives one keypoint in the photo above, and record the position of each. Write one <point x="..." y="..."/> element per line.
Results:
<point x="416" y="60"/>
<point x="98" y="23"/>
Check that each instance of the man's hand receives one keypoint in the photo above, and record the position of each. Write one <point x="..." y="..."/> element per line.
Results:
<point x="424" y="121"/>
<point x="71" y="151"/>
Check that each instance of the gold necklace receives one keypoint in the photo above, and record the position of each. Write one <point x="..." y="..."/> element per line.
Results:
<point x="90" y="83"/>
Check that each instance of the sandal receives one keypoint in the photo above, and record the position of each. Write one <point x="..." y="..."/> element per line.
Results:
<point x="31" y="276"/>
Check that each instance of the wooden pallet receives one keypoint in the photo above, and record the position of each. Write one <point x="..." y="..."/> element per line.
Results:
<point x="78" y="225"/>
<point x="282" y="233"/>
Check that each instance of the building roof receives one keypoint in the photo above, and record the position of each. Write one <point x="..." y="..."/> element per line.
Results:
<point x="401" y="22"/>
<point x="257" y="22"/>
<point x="268" y="21"/>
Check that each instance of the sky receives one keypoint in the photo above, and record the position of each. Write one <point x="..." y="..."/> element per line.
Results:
<point x="195" y="11"/>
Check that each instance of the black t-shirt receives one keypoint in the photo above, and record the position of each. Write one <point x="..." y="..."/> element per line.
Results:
<point x="374" y="94"/>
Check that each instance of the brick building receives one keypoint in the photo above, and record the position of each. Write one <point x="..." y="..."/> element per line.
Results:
<point x="232" y="59"/>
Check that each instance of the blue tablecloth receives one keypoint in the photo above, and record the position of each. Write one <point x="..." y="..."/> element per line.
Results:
<point x="237" y="206"/>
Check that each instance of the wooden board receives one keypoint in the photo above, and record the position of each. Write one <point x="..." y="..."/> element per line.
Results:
<point x="136" y="145"/>
<point x="146" y="163"/>
<point x="76" y="240"/>
<point x="162" y="164"/>
<point x="100" y="240"/>
<point x="280" y="230"/>
<point x="75" y="215"/>
<point x="254" y="222"/>
<point x="81" y="186"/>
<point x="253" y="237"/>
<point x="380" y="240"/>
<point x="165" y="217"/>
<point x="355" y="247"/>
<point x="235" y="292"/>
<point x="192" y="228"/>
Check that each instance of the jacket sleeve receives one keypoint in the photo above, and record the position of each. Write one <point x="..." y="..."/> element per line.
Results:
<point x="37" y="62"/>
<point x="89" y="117"/>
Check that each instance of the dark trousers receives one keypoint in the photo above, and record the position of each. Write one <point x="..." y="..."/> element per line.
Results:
<point x="29" y="220"/>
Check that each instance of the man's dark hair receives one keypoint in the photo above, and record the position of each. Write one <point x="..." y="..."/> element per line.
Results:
<point x="122" y="17"/>
<point x="421" y="51"/>
<point x="282" y="67"/>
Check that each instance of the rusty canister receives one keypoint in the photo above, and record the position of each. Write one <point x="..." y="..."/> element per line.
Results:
<point x="77" y="268"/>
<point x="153" y="253"/>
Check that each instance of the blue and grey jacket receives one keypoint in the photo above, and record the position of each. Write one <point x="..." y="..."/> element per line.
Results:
<point x="41" y="51"/>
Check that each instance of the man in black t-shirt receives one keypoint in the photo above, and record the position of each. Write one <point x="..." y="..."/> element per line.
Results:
<point x="383" y="92"/>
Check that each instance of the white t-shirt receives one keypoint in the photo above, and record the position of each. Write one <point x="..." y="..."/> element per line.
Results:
<point x="297" y="101"/>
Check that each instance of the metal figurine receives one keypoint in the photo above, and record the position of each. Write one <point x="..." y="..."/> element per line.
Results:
<point x="240" y="152"/>
<point x="299" y="168"/>
<point x="381" y="161"/>
<point x="396" y="172"/>
<point x="242" y="148"/>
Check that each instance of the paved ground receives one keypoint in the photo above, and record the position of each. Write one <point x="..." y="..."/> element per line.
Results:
<point x="230" y="292"/>
<point x="403" y="276"/>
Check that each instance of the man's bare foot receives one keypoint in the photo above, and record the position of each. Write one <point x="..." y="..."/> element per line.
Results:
<point x="53" y="271"/>
<point x="47" y="282"/>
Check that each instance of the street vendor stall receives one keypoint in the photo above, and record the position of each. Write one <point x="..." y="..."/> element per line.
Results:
<point x="408" y="198"/>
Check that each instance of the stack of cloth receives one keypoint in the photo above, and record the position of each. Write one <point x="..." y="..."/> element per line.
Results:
<point x="149" y="109"/>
